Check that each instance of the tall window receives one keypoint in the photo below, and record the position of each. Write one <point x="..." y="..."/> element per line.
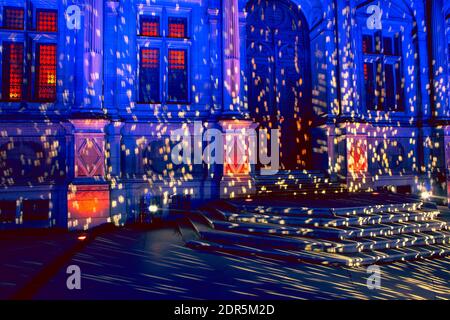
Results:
<point x="46" y="20"/>
<point x="163" y="59"/>
<point x="150" y="26"/>
<point x="382" y="68"/>
<point x="28" y="61"/>
<point x="149" y="76"/>
<point x="12" y="71"/>
<point x="177" y="75"/>
<point x="13" y="18"/>
<point x="46" y="72"/>
<point x="177" y="27"/>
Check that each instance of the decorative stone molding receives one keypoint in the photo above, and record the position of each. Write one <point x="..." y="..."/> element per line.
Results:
<point x="89" y="148"/>
<point x="354" y="150"/>
<point x="236" y="175"/>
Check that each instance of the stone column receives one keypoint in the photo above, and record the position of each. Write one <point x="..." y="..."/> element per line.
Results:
<point x="236" y="179"/>
<point x="93" y="57"/>
<point x="111" y="86"/>
<point x="333" y="103"/>
<point x="113" y="138"/>
<point x="447" y="160"/>
<point x="439" y="137"/>
<point x="231" y="58"/>
<point x="353" y="147"/>
<point x="439" y="60"/>
<point x="351" y="158"/>
<point x="88" y="195"/>
<point x="346" y="52"/>
<point x="424" y="74"/>
<point x="239" y="139"/>
<point x="215" y="54"/>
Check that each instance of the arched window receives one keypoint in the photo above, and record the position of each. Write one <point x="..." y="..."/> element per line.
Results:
<point x="28" y="55"/>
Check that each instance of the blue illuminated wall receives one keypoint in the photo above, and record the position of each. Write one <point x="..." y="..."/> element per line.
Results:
<point x="364" y="104"/>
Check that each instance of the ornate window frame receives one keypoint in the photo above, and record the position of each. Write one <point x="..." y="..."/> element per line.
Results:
<point x="164" y="43"/>
<point x="391" y="26"/>
<point x="30" y="38"/>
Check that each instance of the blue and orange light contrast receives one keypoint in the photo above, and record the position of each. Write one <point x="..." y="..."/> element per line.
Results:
<point x="283" y="135"/>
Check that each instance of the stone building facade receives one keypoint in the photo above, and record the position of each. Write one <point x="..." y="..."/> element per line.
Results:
<point x="91" y="91"/>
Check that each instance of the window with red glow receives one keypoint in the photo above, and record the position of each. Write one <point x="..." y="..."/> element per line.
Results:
<point x="13" y="18"/>
<point x="46" y="72"/>
<point x="163" y="75"/>
<point x="149" y="76"/>
<point x="150" y="26"/>
<point x="12" y="75"/>
<point x="177" y="27"/>
<point x="177" y="59"/>
<point x="46" y="20"/>
<point x="177" y="79"/>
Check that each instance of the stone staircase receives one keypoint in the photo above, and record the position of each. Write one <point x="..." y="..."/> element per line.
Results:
<point x="351" y="236"/>
<point x="297" y="183"/>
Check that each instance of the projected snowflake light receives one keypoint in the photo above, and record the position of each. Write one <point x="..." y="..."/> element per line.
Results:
<point x="93" y="91"/>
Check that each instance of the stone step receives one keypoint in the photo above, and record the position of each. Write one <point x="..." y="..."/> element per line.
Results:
<point x="286" y="211"/>
<point x="387" y="229"/>
<point x="325" y="258"/>
<point x="260" y="228"/>
<point x="273" y="241"/>
<point x="292" y="175"/>
<point x="391" y="242"/>
<point x="331" y="232"/>
<point x="386" y="208"/>
<point x="342" y="246"/>
<point x="333" y="212"/>
<point x="362" y="232"/>
<point x="401" y="254"/>
<point x="305" y="188"/>
<point x="291" y="179"/>
<point x="307" y="220"/>
<point x="296" y="182"/>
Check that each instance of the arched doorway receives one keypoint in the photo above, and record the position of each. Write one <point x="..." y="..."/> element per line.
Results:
<point x="278" y="76"/>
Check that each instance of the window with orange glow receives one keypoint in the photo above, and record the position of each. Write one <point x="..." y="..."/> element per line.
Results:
<point x="46" y="72"/>
<point x="177" y="27"/>
<point x="150" y="26"/>
<point x="28" y="67"/>
<point x="163" y="62"/>
<point x="46" y="20"/>
<point x="12" y="76"/>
